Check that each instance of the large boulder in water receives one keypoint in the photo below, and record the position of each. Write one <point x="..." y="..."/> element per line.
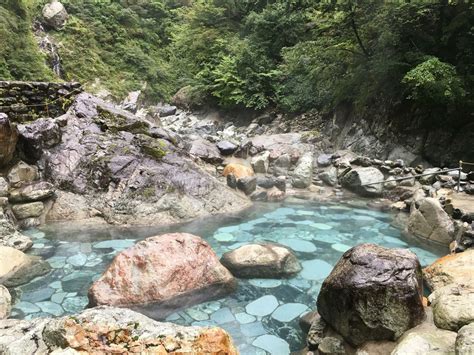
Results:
<point x="161" y="274"/>
<point x="450" y="269"/>
<point x="373" y="293"/>
<point x="264" y="260"/>
<point x="358" y="179"/>
<point x="108" y="330"/>
<point x="429" y="221"/>
<point x="8" y="139"/>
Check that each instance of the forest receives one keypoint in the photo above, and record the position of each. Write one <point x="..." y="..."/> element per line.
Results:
<point x="287" y="55"/>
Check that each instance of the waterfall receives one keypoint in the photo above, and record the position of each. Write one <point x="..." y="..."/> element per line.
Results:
<point x="48" y="46"/>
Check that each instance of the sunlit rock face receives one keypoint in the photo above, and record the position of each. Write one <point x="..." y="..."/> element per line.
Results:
<point x="128" y="171"/>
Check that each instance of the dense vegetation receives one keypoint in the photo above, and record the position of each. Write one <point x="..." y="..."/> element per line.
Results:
<point x="295" y="55"/>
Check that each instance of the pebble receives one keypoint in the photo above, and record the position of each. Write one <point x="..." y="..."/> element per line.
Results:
<point x="263" y="306"/>
<point x="340" y="247"/>
<point x="299" y="245"/>
<point x="289" y="311"/>
<point x="321" y="226"/>
<point x="244" y="318"/>
<point x="51" y="308"/>
<point x="223" y="237"/>
<point x="315" y="269"/>
<point x="272" y="344"/>
<point x="222" y="316"/>
<point x="253" y="329"/>
<point x="265" y="283"/>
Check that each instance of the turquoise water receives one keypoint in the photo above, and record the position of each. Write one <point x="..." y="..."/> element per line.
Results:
<point x="262" y="316"/>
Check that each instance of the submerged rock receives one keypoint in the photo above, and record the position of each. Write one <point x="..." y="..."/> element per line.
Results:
<point x="161" y="274"/>
<point x="450" y="269"/>
<point x="265" y="260"/>
<point x="107" y="330"/>
<point x="373" y="293"/>
<point x="428" y="220"/>
<point x="358" y="179"/>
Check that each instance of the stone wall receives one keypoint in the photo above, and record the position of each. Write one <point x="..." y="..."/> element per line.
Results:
<point x="26" y="101"/>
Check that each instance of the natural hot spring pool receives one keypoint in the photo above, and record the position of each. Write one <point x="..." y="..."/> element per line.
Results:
<point x="263" y="313"/>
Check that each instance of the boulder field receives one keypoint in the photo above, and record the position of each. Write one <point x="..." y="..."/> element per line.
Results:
<point x="100" y="163"/>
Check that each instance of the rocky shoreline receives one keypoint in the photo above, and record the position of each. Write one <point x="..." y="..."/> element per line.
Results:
<point x="102" y="164"/>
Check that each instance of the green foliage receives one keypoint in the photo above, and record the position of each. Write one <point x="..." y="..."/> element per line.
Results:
<point x="20" y="58"/>
<point x="123" y="44"/>
<point x="433" y="82"/>
<point x="293" y="55"/>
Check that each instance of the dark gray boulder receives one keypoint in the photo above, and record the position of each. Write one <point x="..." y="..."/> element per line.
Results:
<point x="247" y="184"/>
<point x="373" y="293"/>
<point x="206" y="151"/>
<point x="38" y="135"/>
<point x="324" y="160"/>
<point x="226" y="147"/>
